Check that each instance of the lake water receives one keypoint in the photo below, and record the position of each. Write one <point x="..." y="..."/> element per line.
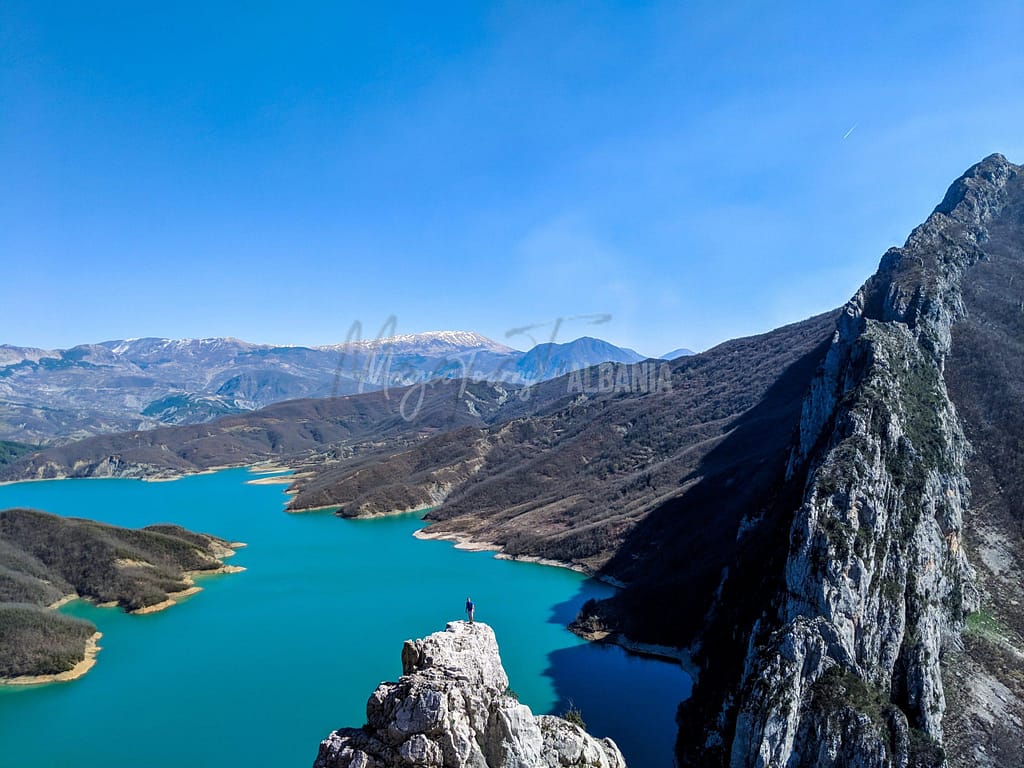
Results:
<point x="258" y="667"/>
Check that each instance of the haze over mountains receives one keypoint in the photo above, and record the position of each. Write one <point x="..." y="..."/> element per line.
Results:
<point x="125" y="385"/>
<point x="681" y="352"/>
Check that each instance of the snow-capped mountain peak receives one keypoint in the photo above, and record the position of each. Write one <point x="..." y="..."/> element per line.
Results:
<point x="428" y="343"/>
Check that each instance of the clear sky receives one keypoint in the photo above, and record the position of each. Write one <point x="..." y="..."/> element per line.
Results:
<point x="276" y="171"/>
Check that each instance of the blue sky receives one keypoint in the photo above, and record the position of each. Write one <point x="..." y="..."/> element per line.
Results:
<point x="278" y="171"/>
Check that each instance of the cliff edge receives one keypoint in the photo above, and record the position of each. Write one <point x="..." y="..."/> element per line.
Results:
<point x="452" y="707"/>
<point x="846" y="667"/>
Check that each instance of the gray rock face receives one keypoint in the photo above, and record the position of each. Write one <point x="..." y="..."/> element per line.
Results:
<point x="451" y="708"/>
<point x="877" y="582"/>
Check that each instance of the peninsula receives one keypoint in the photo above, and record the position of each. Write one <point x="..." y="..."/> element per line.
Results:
<point x="46" y="560"/>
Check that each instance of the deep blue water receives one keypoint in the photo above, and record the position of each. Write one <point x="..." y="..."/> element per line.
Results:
<point x="261" y="665"/>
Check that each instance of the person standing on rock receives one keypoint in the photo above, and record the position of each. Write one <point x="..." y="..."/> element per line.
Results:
<point x="470" y="608"/>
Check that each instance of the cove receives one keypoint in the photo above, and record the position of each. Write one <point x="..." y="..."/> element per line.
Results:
<point x="260" y="666"/>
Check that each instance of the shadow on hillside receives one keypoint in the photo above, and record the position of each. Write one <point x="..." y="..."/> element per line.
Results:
<point x="676" y="557"/>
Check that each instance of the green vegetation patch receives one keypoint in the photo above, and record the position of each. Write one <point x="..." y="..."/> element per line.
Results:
<point x="840" y="689"/>
<point x="575" y="716"/>
<point x="984" y="624"/>
<point x="10" y="451"/>
<point x="923" y="402"/>
<point x="37" y="641"/>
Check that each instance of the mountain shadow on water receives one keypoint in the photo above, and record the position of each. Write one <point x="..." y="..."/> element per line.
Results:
<point x="646" y="733"/>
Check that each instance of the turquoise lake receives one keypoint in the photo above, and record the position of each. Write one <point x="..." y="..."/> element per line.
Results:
<point x="260" y="666"/>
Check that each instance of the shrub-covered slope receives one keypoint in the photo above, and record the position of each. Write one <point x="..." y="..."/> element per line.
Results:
<point x="44" y="558"/>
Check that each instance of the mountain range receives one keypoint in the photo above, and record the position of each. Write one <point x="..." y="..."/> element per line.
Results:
<point x="116" y="386"/>
<point x="828" y="515"/>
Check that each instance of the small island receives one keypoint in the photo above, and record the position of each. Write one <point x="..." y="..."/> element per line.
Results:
<point x="47" y="560"/>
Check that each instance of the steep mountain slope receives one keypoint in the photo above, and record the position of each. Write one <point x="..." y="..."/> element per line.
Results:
<point x="566" y="471"/>
<point x="575" y="481"/>
<point x="832" y="633"/>
<point x="814" y="520"/>
<point x="984" y="721"/>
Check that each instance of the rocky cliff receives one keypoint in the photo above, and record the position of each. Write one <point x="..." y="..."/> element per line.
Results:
<point x="846" y="666"/>
<point x="452" y="707"/>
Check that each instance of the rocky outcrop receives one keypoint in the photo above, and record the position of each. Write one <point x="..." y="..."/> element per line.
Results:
<point x="452" y="707"/>
<point x="877" y="584"/>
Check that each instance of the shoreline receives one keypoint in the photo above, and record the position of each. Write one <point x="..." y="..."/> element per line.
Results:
<point x="389" y="513"/>
<point x="374" y="516"/>
<point x="221" y="551"/>
<point x="268" y="468"/>
<point x="272" y="474"/>
<point x="467" y="543"/>
<point x="160" y="477"/>
<point x="92" y="648"/>
<point x="147" y="479"/>
<point x="173" y="598"/>
<point x="460" y="541"/>
<point x="304" y="510"/>
<point x="274" y="479"/>
<point x="680" y="656"/>
<point x="173" y="477"/>
<point x="61" y="602"/>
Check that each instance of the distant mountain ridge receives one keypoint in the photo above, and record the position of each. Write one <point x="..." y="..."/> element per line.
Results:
<point x="131" y="384"/>
<point x="429" y="342"/>
<point x="546" y="361"/>
<point x="681" y="352"/>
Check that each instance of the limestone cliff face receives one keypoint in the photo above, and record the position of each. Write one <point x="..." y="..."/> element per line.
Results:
<point x="451" y="708"/>
<point x="847" y="670"/>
